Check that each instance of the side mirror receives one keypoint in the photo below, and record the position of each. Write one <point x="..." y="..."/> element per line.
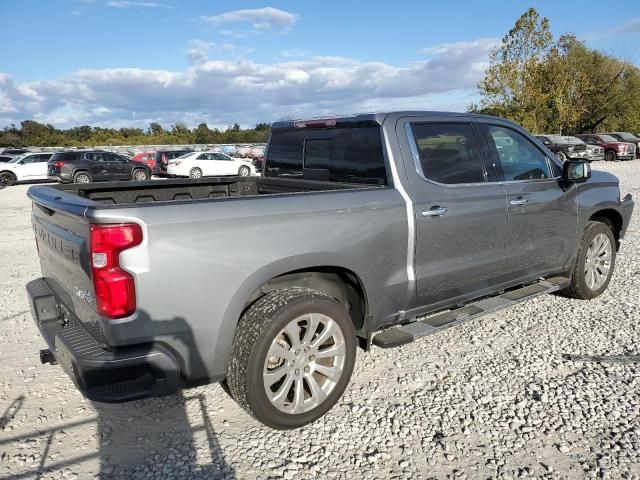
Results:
<point x="576" y="171"/>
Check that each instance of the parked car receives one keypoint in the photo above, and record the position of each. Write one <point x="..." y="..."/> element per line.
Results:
<point x="613" y="148"/>
<point x="205" y="164"/>
<point x="148" y="158"/>
<point x="14" y="151"/>
<point x="29" y="166"/>
<point x="420" y="224"/>
<point x="86" y="166"/>
<point x="162" y="158"/>
<point x="595" y="153"/>
<point x="564" y="147"/>
<point x="6" y="158"/>
<point x="627" y="137"/>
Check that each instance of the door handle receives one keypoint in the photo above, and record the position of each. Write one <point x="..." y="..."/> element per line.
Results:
<point x="519" y="201"/>
<point x="434" y="212"/>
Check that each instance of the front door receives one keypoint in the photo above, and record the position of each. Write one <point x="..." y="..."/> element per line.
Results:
<point x="119" y="167"/>
<point x="542" y="214"/>
<point x="460" y="212"/>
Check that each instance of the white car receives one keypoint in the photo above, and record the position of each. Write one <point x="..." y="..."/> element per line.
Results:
<point x="199" y="164"/>
<point x="23" y="168"/>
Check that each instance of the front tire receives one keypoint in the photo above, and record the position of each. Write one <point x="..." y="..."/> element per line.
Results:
<point x="293" y="355"/>
<point x="244" y="171"/>
<point x="594" y="263"/>
<point x="82" y="177"/>
<point x="195" y="173"/>
<point x="561" y="156"/>
<point x="7" y="179"/>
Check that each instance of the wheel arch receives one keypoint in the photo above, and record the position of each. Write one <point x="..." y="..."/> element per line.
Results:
<point x="338" y="282"/>
<point x="612" y="218"/>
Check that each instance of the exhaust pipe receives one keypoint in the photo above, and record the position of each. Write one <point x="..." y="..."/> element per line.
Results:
<point x="46" y="356"/>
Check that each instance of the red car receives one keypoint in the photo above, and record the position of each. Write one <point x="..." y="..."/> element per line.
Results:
<point x="148" y="158"/>
<point x="613" y="149"/>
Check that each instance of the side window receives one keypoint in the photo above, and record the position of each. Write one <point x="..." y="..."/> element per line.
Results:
<point x="96" y="157"/>
<point x="29" y="159"/>
<point x="519" y="158"/>
<point x="448" y="153"/>
<point x="202" y="156"/>
<point x="221" y="156"/>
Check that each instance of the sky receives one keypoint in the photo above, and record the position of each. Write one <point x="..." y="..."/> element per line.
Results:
<point x="118" y="63"/>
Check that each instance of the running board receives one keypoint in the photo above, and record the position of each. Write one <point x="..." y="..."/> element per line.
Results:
<point x="403" y="334"/>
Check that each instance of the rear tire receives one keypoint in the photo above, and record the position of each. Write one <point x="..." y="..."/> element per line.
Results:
<point x="610" y="156"/>
<point x="293" y="355"/>
<point x="139" y="175"/>
<point x="594" y="263"/>
<point x="195" y="173"/>
<point x="7" y="179"/>
<point x="81" y="177"/>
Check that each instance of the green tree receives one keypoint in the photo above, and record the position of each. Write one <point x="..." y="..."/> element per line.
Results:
<point x="513" y="85"/>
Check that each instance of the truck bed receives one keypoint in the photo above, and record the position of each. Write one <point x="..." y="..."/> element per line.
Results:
<point x="122" y="193"/>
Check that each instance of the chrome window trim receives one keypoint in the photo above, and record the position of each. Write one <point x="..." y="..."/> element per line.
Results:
<point x="413" y="145"/>
<point x="411" y="220"/>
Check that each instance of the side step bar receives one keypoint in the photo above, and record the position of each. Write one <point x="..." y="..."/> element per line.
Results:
<point x="403" y="334"/>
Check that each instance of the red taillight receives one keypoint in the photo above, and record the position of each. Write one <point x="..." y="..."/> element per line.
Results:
<point x="114" y="287"/>
<point x="58" y="164"/>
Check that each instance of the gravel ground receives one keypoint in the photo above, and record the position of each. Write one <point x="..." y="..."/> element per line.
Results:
<point x="493" y="398"/>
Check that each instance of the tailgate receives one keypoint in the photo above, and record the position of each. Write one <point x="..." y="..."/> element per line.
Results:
<point x="62" y="234"/>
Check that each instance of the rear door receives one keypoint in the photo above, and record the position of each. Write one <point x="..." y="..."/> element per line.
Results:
<point x="460" y="211"/>
<point x="40" y="168"/>
<point x="542" y="215"/>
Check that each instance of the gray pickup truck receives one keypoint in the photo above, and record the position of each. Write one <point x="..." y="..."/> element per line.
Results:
<point x="367" y="229"/>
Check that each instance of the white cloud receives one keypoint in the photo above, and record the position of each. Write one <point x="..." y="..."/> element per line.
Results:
<point x="224" y="91"/>
<point x="75" y="13"/>
<point x="260" y="19"/>
<point x="294" y="53"/>
<point x="198" y="51"/>
<point x="127" y="4"/>
<point x="632" y="26"/>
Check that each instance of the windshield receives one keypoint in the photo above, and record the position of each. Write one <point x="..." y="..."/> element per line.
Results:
<point x="17" y="159"/>
<point x="608" y="138"/>
<point x="627" y="137"/>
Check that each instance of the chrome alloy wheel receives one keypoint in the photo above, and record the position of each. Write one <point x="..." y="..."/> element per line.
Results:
<point x="597" y="266"/>
<point x="304" y="363"/>
<point x="139" y="175"/>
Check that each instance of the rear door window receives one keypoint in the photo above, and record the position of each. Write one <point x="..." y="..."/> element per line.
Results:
<point x="449" y="153"/>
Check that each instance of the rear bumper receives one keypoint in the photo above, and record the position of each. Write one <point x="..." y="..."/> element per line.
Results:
<point x="101" y="374"/>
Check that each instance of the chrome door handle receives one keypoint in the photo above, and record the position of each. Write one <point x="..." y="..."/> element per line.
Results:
<point x="519" y="201"/>
<point x="434" y="212"/>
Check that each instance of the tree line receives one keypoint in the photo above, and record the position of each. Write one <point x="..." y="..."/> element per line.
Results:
<point x="560" y="86"/>
<point x="32" y="133"/>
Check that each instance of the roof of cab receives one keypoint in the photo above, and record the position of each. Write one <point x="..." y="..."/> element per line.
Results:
<point x="372" y="119"/>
